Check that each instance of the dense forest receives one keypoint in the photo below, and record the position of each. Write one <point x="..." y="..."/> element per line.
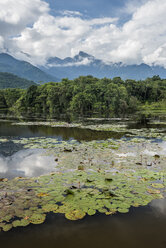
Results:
<point x="86" y="95"/>
<point x="9" y="80"/>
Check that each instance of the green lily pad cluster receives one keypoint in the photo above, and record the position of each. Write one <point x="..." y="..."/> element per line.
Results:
<point x="106" y="176"/>
<point x="26" y="201"/>
<point x="43" y="143"/>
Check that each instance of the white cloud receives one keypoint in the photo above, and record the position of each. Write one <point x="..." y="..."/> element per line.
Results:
<point x="70" y="13"/>
<point x="16" y="15"/>
<point x="100" y="21"/>
<point x="15" y="11"/>
<point x="157" y="57"/>
<point x="132" y="5"/>
<point x="1" y="43"/>
<point x="85" y="61"/>
<point x="32" y="30"/>
<point x="57" y="36"/>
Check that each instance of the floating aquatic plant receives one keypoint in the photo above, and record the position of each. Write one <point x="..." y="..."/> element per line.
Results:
<point x="97" y="176"/>
<point x="103" y="192"/>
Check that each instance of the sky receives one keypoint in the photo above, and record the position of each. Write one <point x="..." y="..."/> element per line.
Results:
<point x="127" y="31"/>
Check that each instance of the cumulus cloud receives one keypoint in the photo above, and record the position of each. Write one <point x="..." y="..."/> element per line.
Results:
<point x="30" y="29"/>
<point x="16" y="15"/>
<point x="57" y="36"/>
<point x="70" y="13"/>
<point x="131" y="6"/>
<point x="157" y="57"/>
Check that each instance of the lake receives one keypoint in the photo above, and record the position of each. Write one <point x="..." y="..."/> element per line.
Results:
<point x="32" y="149"/>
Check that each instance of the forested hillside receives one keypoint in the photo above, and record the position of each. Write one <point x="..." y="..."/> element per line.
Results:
<point x="8" y="80"/>
<point x="24" y="69"/>
<point x="87" y="95"/>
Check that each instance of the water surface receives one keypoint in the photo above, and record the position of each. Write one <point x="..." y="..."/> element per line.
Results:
<point x="141" y="227"/>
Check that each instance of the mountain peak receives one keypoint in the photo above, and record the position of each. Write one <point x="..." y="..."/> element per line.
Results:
<point x="81" y="56"/>
<point x="84" y="55"/>
<point x="85" y="64"/>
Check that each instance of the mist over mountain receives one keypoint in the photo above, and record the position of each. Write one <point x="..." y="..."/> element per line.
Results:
<point x="24" y="69"/>
<point x="84" y="64"/>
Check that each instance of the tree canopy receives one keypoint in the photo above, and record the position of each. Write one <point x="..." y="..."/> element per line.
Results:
<point x="86" y="95"/>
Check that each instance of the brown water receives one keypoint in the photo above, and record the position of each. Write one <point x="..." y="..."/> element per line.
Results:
<point x="141" y="228"/>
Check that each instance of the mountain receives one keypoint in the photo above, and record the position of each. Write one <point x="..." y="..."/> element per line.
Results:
<point x="8" y="80"/>
<point x="84" y="64"/>
<point x="24" y="69"/>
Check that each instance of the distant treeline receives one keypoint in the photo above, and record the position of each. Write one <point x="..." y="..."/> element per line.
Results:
<point x="9" y="80"/>
<point x="85" y="95"/>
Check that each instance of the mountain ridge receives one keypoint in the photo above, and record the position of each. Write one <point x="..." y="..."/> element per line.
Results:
<point x="24" y="69"/>
<point x="84" y="64"/>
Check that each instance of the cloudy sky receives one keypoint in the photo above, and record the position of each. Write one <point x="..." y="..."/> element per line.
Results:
<point x="128" y="31"/>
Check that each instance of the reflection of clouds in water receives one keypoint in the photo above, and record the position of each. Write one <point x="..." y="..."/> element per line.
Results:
<point x="159" y="206"/>
<point x="149" y="153"/>
<point x="163" y="145"/>
<point x="28" y="163"/>
<point x="3" y="166"/>
<point x="128" y="154"/>
<point x="160" y="151"/>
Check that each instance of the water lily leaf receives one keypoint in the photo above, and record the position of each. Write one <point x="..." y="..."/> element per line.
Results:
<point x="158" y="185"/>
<point x="75" y="215"/>
<point x="153" y="191"/>
<point x="42" y="194"/>
<point x="37" y="218"/>
<point x="7" y="227"/>
<point x="91" y="212"/>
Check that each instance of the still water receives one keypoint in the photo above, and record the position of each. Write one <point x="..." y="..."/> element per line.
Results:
<point x="26" y="163"/>
<point x="142" y="227"/>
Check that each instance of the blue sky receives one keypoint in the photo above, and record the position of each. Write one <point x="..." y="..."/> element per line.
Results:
<point x="127" y="31"/>
<point x="95" y="8"/>
<point x="91" y="8"/>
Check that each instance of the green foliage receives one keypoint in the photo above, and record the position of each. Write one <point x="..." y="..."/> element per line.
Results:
<point x="8" y="97"/>
<point x="86" y="95"/>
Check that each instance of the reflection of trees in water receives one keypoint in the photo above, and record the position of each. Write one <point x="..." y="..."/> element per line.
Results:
<point x="8" y="130"/>
<point x="76" y="133"/>
<point x="9" y="148"/>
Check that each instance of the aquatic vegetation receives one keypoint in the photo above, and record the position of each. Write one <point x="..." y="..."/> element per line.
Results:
<point x="75" y="215"/>
<point x="107" y="176"/>
<point x="25" y="201"/>
<point x="3" y="140"/>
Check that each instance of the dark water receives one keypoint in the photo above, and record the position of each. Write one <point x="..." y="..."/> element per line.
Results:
<point x="62" y="133"/>
<point x="140" y="228"/>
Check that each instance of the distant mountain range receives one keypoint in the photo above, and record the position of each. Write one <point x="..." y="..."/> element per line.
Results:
<point x="85" y="64"/>
<point x="8" y="80"/>
<point x="24" y="69"/>
<point x="82" y="64"/>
